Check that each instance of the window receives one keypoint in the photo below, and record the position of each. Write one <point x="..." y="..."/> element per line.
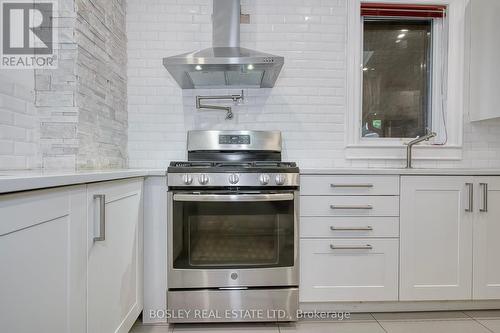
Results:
<point x="397" y="78"/>
<point x="387" y="108"/>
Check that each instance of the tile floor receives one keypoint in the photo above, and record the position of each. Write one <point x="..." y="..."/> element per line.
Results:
<point x="412" y="322"/>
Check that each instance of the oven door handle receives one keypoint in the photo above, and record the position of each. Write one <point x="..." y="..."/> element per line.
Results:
<point x="234" y="197"/>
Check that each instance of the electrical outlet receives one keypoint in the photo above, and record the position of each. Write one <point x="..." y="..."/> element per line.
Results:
<point x="245" y="18"/>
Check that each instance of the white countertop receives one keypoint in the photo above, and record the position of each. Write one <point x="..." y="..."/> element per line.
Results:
<point x="22" y="180"/>
<point x="416" y="171"/>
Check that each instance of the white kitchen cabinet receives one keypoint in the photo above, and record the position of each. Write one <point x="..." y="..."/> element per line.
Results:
<point x="484" y="47"/>
<point x="349" y="246"/>
<point x="343" y="270"/>
<point x="43" y="260"/>
<point x="436" y="238"/>
<point x="115" y="262"/>
<point x="486" y="271"/>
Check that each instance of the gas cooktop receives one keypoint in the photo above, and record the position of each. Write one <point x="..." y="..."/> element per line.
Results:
<point x="233" y="158"/>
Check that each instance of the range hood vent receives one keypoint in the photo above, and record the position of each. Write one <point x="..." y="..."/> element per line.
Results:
<point x="225" y="64"/>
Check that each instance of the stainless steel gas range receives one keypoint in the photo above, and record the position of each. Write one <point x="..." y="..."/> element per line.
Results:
<point x="233" y="230"/>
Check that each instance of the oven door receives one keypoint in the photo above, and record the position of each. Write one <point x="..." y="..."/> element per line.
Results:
<point x="228" y="239"/>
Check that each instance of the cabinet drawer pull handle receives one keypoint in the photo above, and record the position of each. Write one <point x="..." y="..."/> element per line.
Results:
<point x="102" y="217"/>
<point x="351" y="247"/>
<point x="351" y="185"/>
<point x="485" y="198"/>
<point x="470" y="207"/>
<point x="367" y="228"/>
<point x="351" y="207"/>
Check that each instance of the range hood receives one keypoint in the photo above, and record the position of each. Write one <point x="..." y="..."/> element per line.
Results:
<point x="225" y="64"/>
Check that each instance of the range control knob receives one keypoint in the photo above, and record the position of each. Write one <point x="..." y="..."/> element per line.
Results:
<point x="234" y="178"/>
<point x="264" y="179"/>
<point x="187" y="179"/>
<point x="280" y="179"/>
<point x="203" y="179"/>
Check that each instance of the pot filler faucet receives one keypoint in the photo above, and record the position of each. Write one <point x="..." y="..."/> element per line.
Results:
<point x="229" y="115"/>
<point x="413" y="142"/>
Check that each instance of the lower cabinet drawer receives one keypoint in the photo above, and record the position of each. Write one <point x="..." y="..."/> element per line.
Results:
<point x="349" y="206"/>
<point x="349" y="227"/>
<point x="349" y="185"/>
<point x="343" y="270"/>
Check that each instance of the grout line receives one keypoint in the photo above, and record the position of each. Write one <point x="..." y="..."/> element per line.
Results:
<point x="482" y="325"/>
<point x="467" y="317"/>
<point x="477" y="321"/>
<point x="379" y="324"/>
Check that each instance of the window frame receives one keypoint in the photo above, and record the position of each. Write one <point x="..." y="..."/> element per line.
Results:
<point x="358" y="147"/>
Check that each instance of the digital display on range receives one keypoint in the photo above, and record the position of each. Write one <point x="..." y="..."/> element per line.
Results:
<point x="234" y="139"/>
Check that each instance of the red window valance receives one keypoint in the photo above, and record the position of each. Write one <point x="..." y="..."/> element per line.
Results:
<point x="402" y="10"/>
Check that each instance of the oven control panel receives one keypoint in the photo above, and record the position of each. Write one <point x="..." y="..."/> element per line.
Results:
<point x="233" y="179"/>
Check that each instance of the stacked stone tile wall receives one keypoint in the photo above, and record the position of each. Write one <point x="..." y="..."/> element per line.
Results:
<point x="73" y="116"/>
<point x="101" y="93"/>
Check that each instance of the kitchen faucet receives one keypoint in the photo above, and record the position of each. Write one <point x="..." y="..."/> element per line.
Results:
<point x="413" y="142"/>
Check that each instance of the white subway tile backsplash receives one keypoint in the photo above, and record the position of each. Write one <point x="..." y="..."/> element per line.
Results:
<point x="6" y="87"/>
<point x="17" y="121"/>
<point x="54" y="98"/>
<point x="308" y="103"/>
<point x="25" y="148"/>
<point x="12" y="132"/>
<point x="13" y="103"/>
<point x="6" y="117"/>
<point x="25" y="121"/>
<point x="6" y="147"/>
<point x="13" y="162"/>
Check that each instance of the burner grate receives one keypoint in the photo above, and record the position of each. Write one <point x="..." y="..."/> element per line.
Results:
<point x="234" y="164"/>
<point x="271" y="164"/>
<point x="192" y="164"/>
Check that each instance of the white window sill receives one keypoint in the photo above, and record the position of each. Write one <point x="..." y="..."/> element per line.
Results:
<point x="398" y="152"/>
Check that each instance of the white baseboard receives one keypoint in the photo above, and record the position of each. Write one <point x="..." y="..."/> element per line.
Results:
<point x="400" y="306"/>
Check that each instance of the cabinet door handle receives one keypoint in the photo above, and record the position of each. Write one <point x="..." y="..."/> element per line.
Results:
<point x="367" y="228"/>
<point x="351" y="247"/>
<point x="351" y="185"/>
<point x="484" y="209"/>
<point x="351" y="206"/>
<point x="102" y="217"/>
<point x="470" y="207"/>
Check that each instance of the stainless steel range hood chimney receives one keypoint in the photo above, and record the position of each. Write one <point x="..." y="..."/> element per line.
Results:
<point x="225" y="64"/>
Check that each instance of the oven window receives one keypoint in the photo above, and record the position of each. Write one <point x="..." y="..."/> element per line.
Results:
<point x="233" y="234"/>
